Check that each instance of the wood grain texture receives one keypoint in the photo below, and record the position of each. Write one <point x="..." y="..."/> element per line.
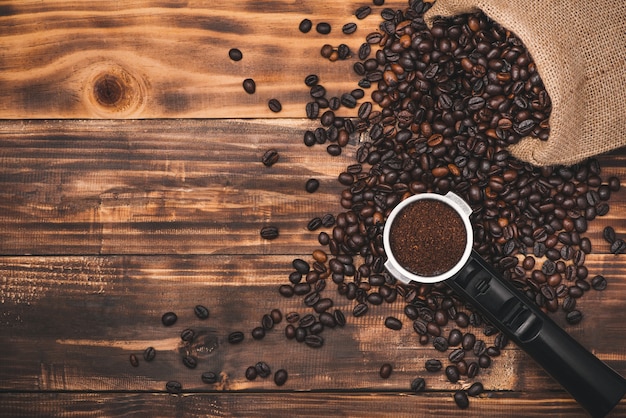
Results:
<point x="147" y="59"/>
<point x="305" y="405"/>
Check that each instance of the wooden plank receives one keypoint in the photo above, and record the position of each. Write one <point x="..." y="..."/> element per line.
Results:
<point x="162" y="187"/>
<point x="70" y="324"/>
<point x="147" y="59"/>
<point x="300" y="404"/>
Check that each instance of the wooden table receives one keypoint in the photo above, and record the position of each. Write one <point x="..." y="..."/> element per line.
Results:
<point x="132" y="185"/>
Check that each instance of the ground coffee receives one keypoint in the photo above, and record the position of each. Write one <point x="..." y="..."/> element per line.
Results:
<point x="427" y="237"/>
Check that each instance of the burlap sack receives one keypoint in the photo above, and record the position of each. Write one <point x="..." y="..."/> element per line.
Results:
<point x="579" y="47"/>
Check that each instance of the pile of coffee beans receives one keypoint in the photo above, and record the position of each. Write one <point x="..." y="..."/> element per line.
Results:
<point x="446" y="103"/>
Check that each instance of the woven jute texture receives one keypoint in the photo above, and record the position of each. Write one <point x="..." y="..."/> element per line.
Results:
<point x="579" y="47"/>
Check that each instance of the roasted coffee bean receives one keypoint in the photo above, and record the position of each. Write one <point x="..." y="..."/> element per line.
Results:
<point x="484" y="361"/>
<point x="269" y="232"/>
<point x="134" y="361"/>
<point x="258" y="333"/>
<point x="187" y="335"/>
<point x="311" y="80"/>
<point x="468" y="341"/>
<point x="202" y="312"/>
<point x="598" y="282"/>
<point x="418" y="385"/>
<point x="235" y="54"/>
<point x="455" y="337"/>
<point x="618" y="246"/>
<point x="475" y="389"/>
<point x="452" y="374"/>
<point x="173" y="387"/>
<point x="169" y="318"/>
<point x="270" y="157"/>
<point x="314" y="224"/>
<point x="280" y="377"/>
<point x="314" y="341"/>
<point x="456" y="355"/>
<point x="393" y="323"/>
<point x="574" y="317"/>
<point x="433" y="365"/>
<point x="385" y="371"/>
<point x="190" y="362"/>
<point x="339" y="317"/>
<point x="149" y="354"/>
<point x="312" y="110"/>
<point x="461" y="399"/>
<point x="274" y="105"/>
<point x="305" y="25"/>
<point x="263" y="369"/>
<point x="362" y="12"/>
<point x="349" y="28"/>
<point x="249" y="86"/>
<point x="312" y="185"/>
<point x="323" y="28"/>
<point x="235" y="337"/>
<point x="290" y="332"/>
<point x="209" y="378"/>
<point x="292" y="317"/>
<point x="359" y="310"/>
<point x="440" y="343"/>
<point x="286" y="290"/>
<point x="608" y="233"/>
<point x="251" y="373"/>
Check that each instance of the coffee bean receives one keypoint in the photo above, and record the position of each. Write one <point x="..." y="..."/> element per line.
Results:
<point x="249" y="86"/>
<point x="235" y="337"/>
<point x="169" y="318"/>
<point x="475" y="389"/>
<point x="270" y="157"/>
<point x="149" y="354"/>
<point x="339" y="317"/>
<point x="359" y="310"/>
<point x="305" y="25"/>
<point x="312" y="185"/>
<point x="598" y="282"/>
<point x="393" y="323"/>
<point x="461" y="399"/>
<point x="385" y="371"/>
<point x="280" y="377"/>
<point x="608" y="233"/>
<point x="258" y="333"/>
<point x="202" y="312"/>
<point x="190" y="362"/>
<point x="269" y="232"/>
<point x="440" y="344"/>
<point x="251" y="373"/>
<point x="349" y="28"/>
<point x="235" y="54"/>
<point x="452" y="374"/>
<point x="274" y="105"/>
<point x="173" y="387"/>
<point x="134" y="361"/>
<point x="455" y="338"/>
<point x="618" y="246"/>
<point x="209" y="377"/>
<point x="263" y="369"/>
<point x="418" y="385"/>
<point x="433" y="365"/>
<point x="286" y="290"/>
<point x="362" y="12"/>
<point x="187" y="335"/>
<point x="323" y="28"/>
<point x="314" y="341"/>
<point x="312" y="110"/>
<point x="574" y="317"/>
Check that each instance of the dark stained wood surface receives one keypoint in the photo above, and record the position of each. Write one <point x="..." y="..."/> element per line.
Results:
<point x="105" y="224"/>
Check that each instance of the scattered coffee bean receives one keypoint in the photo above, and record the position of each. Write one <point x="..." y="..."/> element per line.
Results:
<point x="312" y="185"/>
<point x="149" y="354"/>
<point x="269" y="232"/>
<point x="393" y="323"/>
<point x="418" y="385"/>
<point x="251" y="373"/>
<point x="349" y="28"/>
<point x="187" y="335"/>
<point x="235" y="337"/>
<point x="258" y="333"/>
<point x="134" y="361"/>
<point x="249" y="86"/>
<point x="475" y="389"/>
<point x="263" y="369"/>
<point x="274" y="105"/>
<point x="461" y="399"/>
<point x="280" y="377"/>
<point x="385" y="371"/>
<point x="235" y="54"/>
<point x="305" y="25"/>
<point x="190" y="362"/>
<point x="173" y="387"/>
<point x="202" y="312"/>
<point x="323" y="28"/>
<point x="270" y="157"/>
<point x="433" y="365"/>
<point x="169" y="318"/>
<point x="209" y="377"/>
<point x="362" y="12"/>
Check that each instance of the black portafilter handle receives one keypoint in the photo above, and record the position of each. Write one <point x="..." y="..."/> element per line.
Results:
<point x="595" y="386"/>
